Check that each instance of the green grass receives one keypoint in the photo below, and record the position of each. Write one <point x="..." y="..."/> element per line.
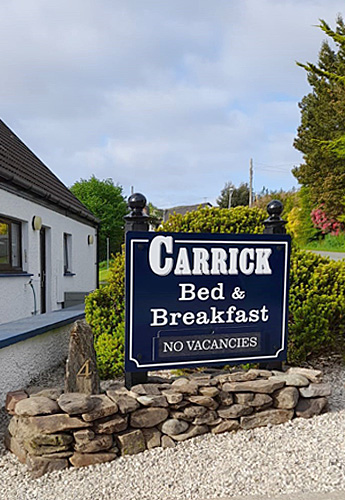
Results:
<point x="103" y="272"/>
<point x="328" y="244"/>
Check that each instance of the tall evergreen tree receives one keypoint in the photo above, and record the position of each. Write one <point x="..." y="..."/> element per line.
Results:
<point x="323" y="125"/>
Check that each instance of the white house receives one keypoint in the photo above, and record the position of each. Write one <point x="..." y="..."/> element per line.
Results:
<point x="48" y="239"/>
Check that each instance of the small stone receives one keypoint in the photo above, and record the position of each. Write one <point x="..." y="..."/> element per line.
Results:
<point x="126" y="403"/>
<point x="160" y="401"/>
<point x="50" y="440"/>
<point x="100" y="442"/>
<point x="226" y="398"/>
<point x="243" y="398"/>
<point x="167" y="442"/>
<point x="51" y="393"/>
<point x="12" y="398"/>
<point x="260" y="400"/>
<point x="173" y="426"/>
<point x="83" y="436"/>
<point x="173" y="397"/>
<point x="193" y="431"/>
<point x="242" y="376"/>
<point x="85" y="459"/>
<point x="148" y="417"/>
<point x="36" y="406"/>
<point x="59" y="454"/>
<point x="204" y="401"/>
<point x="146" y="389"/>
<point x="226" y="426"/>
<point x="76" y="403"/>
<point x="261" y="386"/>
<point x="111" y="425"/>
<point x="180" y="405"/>
<point x="291" y="379"/>
<point x="103" y="407"/>
<point x="307" y="408"/>
<point x="259" y="372"/>
<point x="179" y="415"/>
<point x="50" y="424"/>
<point x="316" y="390"/>
<point x="209" y="418"/>
<point x="16" y="447"/>
<point x="194" y="411"/>
<point x="131" y="443"/>
<point x="286" y="398"/>
<point x="43" y="449"/>
<point x="210" y="392"/>
<point x="184" y="386"/>
<point x="234" y="411"/>
<point x="38" y="466"/>
<point x="312" y="375"/>
<point x="264" y="418"/>
<point x="152" y="437"/>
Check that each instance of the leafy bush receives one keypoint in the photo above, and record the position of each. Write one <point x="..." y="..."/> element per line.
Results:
<point x="105" y="312"/>
<point x="316" y="304"/>
<point x="317" y="293"/>
<point x="217" y="220"/>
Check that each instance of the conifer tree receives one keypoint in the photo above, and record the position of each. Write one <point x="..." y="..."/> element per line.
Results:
<point x="323" y="125"/>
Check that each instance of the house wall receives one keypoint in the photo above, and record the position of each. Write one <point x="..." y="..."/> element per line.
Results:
<point x="23" y="361"/>
<point x="17" y="298"/>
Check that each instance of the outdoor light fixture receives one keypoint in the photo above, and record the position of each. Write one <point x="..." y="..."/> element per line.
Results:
<point x="90" y="239"/>
<point x="36" y="223"/>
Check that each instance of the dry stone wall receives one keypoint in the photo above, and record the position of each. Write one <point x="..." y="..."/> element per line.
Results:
<point x="52" y="430"/>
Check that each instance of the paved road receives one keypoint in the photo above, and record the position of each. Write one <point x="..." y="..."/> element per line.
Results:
<point x="336" y="495"/>
<point x="331" y="255"/>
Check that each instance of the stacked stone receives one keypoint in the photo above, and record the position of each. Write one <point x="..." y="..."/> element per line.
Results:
<point x="51" y="430"/>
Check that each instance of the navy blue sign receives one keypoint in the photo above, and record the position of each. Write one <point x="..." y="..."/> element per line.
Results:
<point x="202" y="299"/>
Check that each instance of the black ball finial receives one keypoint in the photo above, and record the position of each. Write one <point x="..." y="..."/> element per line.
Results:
<point x="137" y="203"/>
<point x="275" y="209"/>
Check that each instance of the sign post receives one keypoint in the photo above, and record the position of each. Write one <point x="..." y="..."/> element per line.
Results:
<point x="136" y="221"/>
<point x="205" y="299"/>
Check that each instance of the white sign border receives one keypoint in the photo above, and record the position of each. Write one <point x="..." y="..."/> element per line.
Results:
<point x="217" y="361"/>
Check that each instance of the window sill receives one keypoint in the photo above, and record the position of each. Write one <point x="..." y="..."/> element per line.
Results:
<point x="69" y="274"/>
<point x="15" y="275"/>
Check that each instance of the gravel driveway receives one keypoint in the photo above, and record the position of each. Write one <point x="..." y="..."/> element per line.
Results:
<point x="299" y="456"/>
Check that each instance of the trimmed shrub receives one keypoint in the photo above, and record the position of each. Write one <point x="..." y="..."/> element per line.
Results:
<point x="316" y="304"/>
<point x="105" y="312"/>
<point x="217" y="220"/>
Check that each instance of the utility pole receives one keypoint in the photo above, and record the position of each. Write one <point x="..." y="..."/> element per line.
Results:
<point x="251" y="183"/>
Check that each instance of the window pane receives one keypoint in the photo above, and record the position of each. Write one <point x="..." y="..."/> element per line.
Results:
<point x="4" y="243"/>
<point x="15" y="237"/>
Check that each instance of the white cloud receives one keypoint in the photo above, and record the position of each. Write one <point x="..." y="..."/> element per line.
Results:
<point x="172" y="97"/>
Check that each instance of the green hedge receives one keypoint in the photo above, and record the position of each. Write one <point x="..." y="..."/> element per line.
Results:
<point x="217" y="220"/>
<point x="316" y="298"/>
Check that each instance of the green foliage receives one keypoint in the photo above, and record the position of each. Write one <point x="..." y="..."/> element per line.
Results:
<point x="110" y="353"/>
<point x="300" y="224"/>
<point x="239" y="196"/>
<point x="105" y="311"/>
<point x="217" y="220"/>
<point x="321" y="134"/>
<point x="317" y="305"/>
<point x="317" y="293"/>
<point x="105" y="201"/>
<point x="330" y="243"/>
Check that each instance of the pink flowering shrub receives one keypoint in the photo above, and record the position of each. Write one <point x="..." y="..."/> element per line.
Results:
<point x="324" y="223"/>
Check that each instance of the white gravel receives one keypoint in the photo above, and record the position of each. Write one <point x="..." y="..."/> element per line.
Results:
<point x="300" y="456"/>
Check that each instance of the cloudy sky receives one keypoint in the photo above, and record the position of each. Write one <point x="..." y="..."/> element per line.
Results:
<point x="172" y="97"/>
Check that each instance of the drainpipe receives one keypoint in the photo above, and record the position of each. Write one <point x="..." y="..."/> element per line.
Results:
<point x="34" y="294"/>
